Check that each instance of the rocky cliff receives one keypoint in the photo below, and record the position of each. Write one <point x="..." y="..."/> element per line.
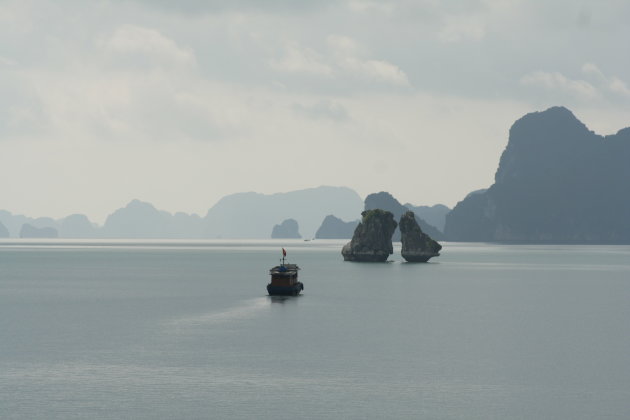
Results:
<point x="372" y="239"/>
<point x="417" y="246"/>
<point x="557" y="182"/>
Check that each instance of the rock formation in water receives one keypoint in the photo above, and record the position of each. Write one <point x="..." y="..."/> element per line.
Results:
<point x="335" y="228"/>
<point x="30" y="231"/>
<point x="288" y="229"/>
<point x="372" y="239"/>
<point x="557" y="182"/>
<point x="385" y="201"/>
<point x="417" y="246"/>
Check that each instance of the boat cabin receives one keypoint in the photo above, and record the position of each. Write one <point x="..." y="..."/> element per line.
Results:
<point x="284" y="275"/>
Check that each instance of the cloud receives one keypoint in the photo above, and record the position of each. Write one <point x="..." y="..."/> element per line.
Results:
<point x="375" y="70"/>
<point x="598" y="86"/>
<point x="136" y="41"/>
<point x="557" y="81"/>
<point x="462" y="28"/>
<point x="344" y="45"/>
<point x="325" y="109"/>
<point x="613" y="84"/>
<point x="301" y="60"/>
<point x="7" y="62"/>
<point x="618" y="86"/>
<point x="345" y="60"/>
<point x="365" y="6"/>
<point x="212" y="6"/>
<point x="592" y="70"/>
<point x="349" y="57"/>
<point x="136" y="85"/>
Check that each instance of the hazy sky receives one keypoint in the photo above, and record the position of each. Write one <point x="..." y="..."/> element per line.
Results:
<point x="181" y="102"/>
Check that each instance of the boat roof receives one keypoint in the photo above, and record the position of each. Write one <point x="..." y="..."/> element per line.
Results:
<point x="284" y="268"/>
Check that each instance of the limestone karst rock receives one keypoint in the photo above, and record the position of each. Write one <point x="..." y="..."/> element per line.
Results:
<point x="372" y="239"/>
<point x="417" y="246"/>
<point x="557" y="182"/>
<point x="288" y="229"/>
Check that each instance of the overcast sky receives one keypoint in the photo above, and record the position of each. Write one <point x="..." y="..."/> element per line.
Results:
<point x="181" y="102"/>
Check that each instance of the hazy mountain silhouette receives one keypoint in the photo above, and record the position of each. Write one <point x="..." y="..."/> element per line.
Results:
<point x="288" y="229"/>
<point x="241" y="215"/>
<point x="4" y="232"/>
<point x="334" y="228"/>
<point x="30" y="231"/>
<point x="142" y="220"/>
<point x="250" y="215"/>
<point x="557" y="182"/>
<point x="14" y="222"/>
<point x="433" y="215"/>
<point x="385" y="201"/>
<point x="77" y="226"/>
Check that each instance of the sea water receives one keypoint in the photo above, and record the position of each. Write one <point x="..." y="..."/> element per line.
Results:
<point x="176" y="329"/>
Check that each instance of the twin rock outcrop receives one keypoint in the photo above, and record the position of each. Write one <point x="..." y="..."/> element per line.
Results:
<point x="372" y="239"/>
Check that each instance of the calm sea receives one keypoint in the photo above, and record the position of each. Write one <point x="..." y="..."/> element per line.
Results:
<point x="185" y="330"/>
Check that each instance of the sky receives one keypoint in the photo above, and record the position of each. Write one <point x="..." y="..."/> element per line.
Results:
<point x="181" y="103"/>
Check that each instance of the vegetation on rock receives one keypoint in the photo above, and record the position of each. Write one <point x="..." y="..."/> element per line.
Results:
<point x="372" y="239"/>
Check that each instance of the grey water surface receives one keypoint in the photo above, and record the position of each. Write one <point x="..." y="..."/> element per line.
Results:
<point x="176" y="329"/>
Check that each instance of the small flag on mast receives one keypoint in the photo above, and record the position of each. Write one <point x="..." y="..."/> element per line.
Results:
<point x="284" y="253"/>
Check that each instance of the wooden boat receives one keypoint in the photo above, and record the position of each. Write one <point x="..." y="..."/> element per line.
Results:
<point x="284" y="279"/>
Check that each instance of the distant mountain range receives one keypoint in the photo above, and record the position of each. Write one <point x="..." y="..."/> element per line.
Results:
<point x="142" y="220"/>
<point x="236" y="216"/>
<point x="253" y="215"/>
<point x="557" y="182"/>
<point x="242" y="215"/>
